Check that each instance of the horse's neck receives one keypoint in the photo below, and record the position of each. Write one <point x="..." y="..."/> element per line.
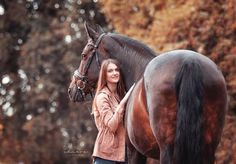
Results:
<point x="132" y="55"/>
<point x="132" y="66"/>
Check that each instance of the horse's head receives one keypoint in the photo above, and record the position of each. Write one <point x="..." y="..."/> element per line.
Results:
<point x="85" y="77"/>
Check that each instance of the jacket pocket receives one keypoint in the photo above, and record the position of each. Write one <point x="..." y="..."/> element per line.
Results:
<point x="108" y="140"/>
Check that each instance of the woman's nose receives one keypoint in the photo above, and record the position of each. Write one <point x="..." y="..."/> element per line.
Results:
<point x="115" y="72"/>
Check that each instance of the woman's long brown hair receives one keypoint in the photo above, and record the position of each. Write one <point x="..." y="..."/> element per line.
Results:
<point x="103" y="83"/>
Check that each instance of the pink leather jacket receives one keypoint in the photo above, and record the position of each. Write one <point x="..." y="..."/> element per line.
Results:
<point x="110" y="141"/>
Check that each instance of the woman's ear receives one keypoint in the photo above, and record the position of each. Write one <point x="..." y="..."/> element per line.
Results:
<point x="91" y="33"/>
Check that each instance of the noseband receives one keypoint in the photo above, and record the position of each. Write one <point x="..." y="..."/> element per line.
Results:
<point x="82" y="76"/>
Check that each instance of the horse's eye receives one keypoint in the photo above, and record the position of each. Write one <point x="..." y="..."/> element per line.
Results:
<point x="91" y="48"/>
<point x="84" y="55"/>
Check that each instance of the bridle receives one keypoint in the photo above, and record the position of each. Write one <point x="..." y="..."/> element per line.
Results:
<point x="82" y="76"/>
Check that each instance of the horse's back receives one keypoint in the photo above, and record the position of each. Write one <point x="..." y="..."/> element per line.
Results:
<point x="160" y="73"/>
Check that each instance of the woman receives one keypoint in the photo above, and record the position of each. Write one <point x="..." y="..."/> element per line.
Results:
<point x="108" y="109"/>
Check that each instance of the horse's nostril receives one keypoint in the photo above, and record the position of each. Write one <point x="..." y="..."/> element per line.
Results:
<point x="69" y="90"/>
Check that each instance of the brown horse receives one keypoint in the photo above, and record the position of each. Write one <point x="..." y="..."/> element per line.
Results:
<point x="177" y="109"/>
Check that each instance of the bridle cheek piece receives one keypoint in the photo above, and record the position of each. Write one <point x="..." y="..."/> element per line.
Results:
<point x="82" y="76"/>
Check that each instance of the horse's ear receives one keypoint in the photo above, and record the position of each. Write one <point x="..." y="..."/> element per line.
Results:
<point x="91" y="34"/>
<point x="99" y="29"/>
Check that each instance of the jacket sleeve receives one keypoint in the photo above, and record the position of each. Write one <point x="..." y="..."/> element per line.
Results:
<point x="109" y="118"/>
<point x="96" y="117"/>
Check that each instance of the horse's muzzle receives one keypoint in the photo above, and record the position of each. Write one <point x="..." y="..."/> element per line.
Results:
<point x="75" y="94"/>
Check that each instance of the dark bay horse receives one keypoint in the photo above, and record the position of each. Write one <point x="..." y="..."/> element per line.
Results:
<point x="177" y="109"/>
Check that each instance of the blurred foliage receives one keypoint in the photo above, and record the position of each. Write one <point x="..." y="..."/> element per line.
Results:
<point x="40" y="45"/>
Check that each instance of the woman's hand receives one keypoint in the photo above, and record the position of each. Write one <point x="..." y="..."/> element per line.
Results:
<point x="124" y="100"/>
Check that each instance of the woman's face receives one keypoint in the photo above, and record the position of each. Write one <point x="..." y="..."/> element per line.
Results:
<point x="113" y="73"/>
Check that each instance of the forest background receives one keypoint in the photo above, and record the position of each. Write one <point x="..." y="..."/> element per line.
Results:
<point x="40" y="46"/>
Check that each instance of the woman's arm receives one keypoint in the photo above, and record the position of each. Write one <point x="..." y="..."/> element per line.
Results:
<point x="111" y="119"/>
<point x="108" y="118"/>
<point x="121" y="106"/>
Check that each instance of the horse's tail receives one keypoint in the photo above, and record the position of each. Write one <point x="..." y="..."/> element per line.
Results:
<point x="189" y="93"/>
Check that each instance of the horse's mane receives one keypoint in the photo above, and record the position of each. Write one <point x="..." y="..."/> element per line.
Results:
<point x="132" y="55"/>
<point x="134" y="49"/>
